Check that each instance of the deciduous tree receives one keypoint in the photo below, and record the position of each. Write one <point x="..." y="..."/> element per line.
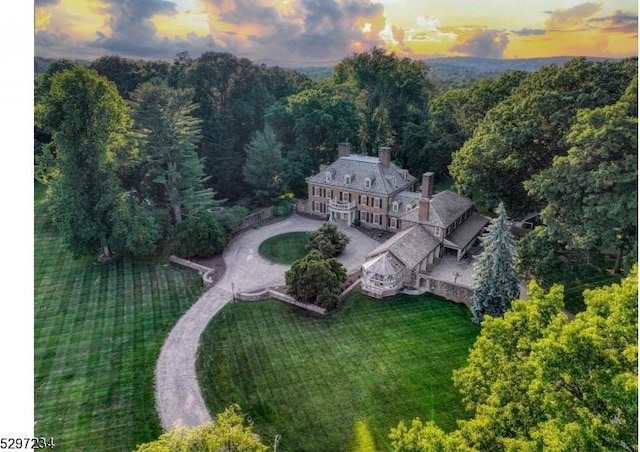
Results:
<point x="330" y="241"/>
<point x="591" y="194"/>
<point x="229" y="432"/>
<point x="88" y="122"/>
<point x="316" y="279"/>
<point x="536" y="381"/>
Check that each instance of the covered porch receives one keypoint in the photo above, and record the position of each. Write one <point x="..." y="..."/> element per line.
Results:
<point x="463" y="237"/>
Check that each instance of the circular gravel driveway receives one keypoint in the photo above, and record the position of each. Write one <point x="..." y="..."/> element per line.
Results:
<point x="178" y="398"/>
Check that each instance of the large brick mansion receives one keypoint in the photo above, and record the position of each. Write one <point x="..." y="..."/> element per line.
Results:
<point x="380" y="195"/>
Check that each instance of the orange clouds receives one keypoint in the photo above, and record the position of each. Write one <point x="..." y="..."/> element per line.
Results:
<point x="325" y="31"/>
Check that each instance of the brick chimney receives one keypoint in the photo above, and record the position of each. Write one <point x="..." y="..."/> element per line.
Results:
<point x="384" y="155"/>
<point x="427" y="185"/>
<point x="425" y="198"/>
<point x="344" y="149"/>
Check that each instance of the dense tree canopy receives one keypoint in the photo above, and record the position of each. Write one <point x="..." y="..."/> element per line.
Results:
<point x="88" y="122"/>
<point x="591" y="193"/>
<point x="537" y="381"/>
<point x="172" y="171"/>
<point x="521" y="135"/>
<point x="393" y="91"/>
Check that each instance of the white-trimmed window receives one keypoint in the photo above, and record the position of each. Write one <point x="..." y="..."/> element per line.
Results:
<point x="377" y="202"/>
<point x="327" y="176"/>
<point x="436" y="231"/>
<point x="328" y="193"/>
<point x="345" y="196"/>
<point x="316" y="206"/>
<point x="363" y="200"/>
<point x="393" y="223"/>
<point x="376" y="218"/>
<point x="347" y="179"/>
<point x="367" y="182"/>
<point x="364" y="216"/>
<point x="395" y="206"/>
<point x="316" y="191"/>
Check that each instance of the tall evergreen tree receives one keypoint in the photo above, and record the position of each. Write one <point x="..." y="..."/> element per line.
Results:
<point x="175" y="175"/>
<point x="265" y="167"/>
<point x="496" y="282"/>
<point x="88" y="122"/>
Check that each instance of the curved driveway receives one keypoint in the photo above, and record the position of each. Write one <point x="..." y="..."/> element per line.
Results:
<point x="178" y="398"/>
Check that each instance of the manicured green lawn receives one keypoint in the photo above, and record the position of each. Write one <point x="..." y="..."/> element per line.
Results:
<point x="312" y="380"/>
<point x="98" y="330"/>
<point x="284" y="248"/>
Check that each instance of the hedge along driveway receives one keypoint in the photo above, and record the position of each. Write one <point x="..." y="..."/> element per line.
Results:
<point x="178" y="397"/>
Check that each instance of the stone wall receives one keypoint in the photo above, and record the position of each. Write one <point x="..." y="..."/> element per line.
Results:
<point x="257" y="217"/>
<point x="270" y="293"/>
<point x="301" y="206"/>
<point x="448" y="290"/>
<point x="205" y="272"/>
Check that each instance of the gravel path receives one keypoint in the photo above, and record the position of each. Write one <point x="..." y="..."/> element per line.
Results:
<point x="178" y="398"/>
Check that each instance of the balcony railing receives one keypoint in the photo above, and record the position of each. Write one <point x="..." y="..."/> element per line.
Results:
<point x="341" y="206"/>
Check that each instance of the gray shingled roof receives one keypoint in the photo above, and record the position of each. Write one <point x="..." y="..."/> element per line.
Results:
<point x="445" y="208"/>
<point x="467" y="231"/>
<point x="384" y="181"/>
<point x="404" y="199"/>
<point x="384" y="264"/>
<point x="410" y="246"/>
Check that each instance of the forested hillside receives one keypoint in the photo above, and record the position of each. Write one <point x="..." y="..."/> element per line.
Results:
<point x="529" y="139"/>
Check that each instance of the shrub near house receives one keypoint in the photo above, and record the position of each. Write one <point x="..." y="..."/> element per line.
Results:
<point x="316" y="279"/>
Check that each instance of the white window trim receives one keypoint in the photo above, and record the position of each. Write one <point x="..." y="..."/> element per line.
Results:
<point x="367" y="182"/>
<point x="363" y="216"/>
<point x="393" y="223"/>
<point x="327" y="176"/>
<point x="347" y="179"/>
<point x="345" y="196"/>
<point x="436" y="231"/>
<point x="376" y="218"/>
<point x="316" y="206"/>
<point x="377" y="202"/>
<point x="328" y="193"/>
<point x="395" y="206"/>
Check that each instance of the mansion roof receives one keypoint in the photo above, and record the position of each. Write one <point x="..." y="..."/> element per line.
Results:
<point x="410" y="246"/>
<point x="365" y="174"/>
<point x="444" y="209"/>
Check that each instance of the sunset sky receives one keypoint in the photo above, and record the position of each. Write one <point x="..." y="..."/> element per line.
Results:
<point x="325" y="31"/>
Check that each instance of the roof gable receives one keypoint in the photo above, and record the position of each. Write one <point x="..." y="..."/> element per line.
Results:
<point x="410" y="246"/>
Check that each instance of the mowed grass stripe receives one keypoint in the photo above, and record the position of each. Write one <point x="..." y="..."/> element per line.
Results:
<point x="312" y="379"/>
<point x="98" y="329"/>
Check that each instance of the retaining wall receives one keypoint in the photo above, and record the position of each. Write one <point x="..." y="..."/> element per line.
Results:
<point x="448" y="290"/>
<point x="205" y="272"/>
<point x="270" y="293"/>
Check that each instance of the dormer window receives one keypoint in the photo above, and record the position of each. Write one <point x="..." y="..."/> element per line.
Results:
<point x="395" y="206"/>
<point x="367" y="182"/>
<point x="327" y="176"/>
<point x="347" y="179"/>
